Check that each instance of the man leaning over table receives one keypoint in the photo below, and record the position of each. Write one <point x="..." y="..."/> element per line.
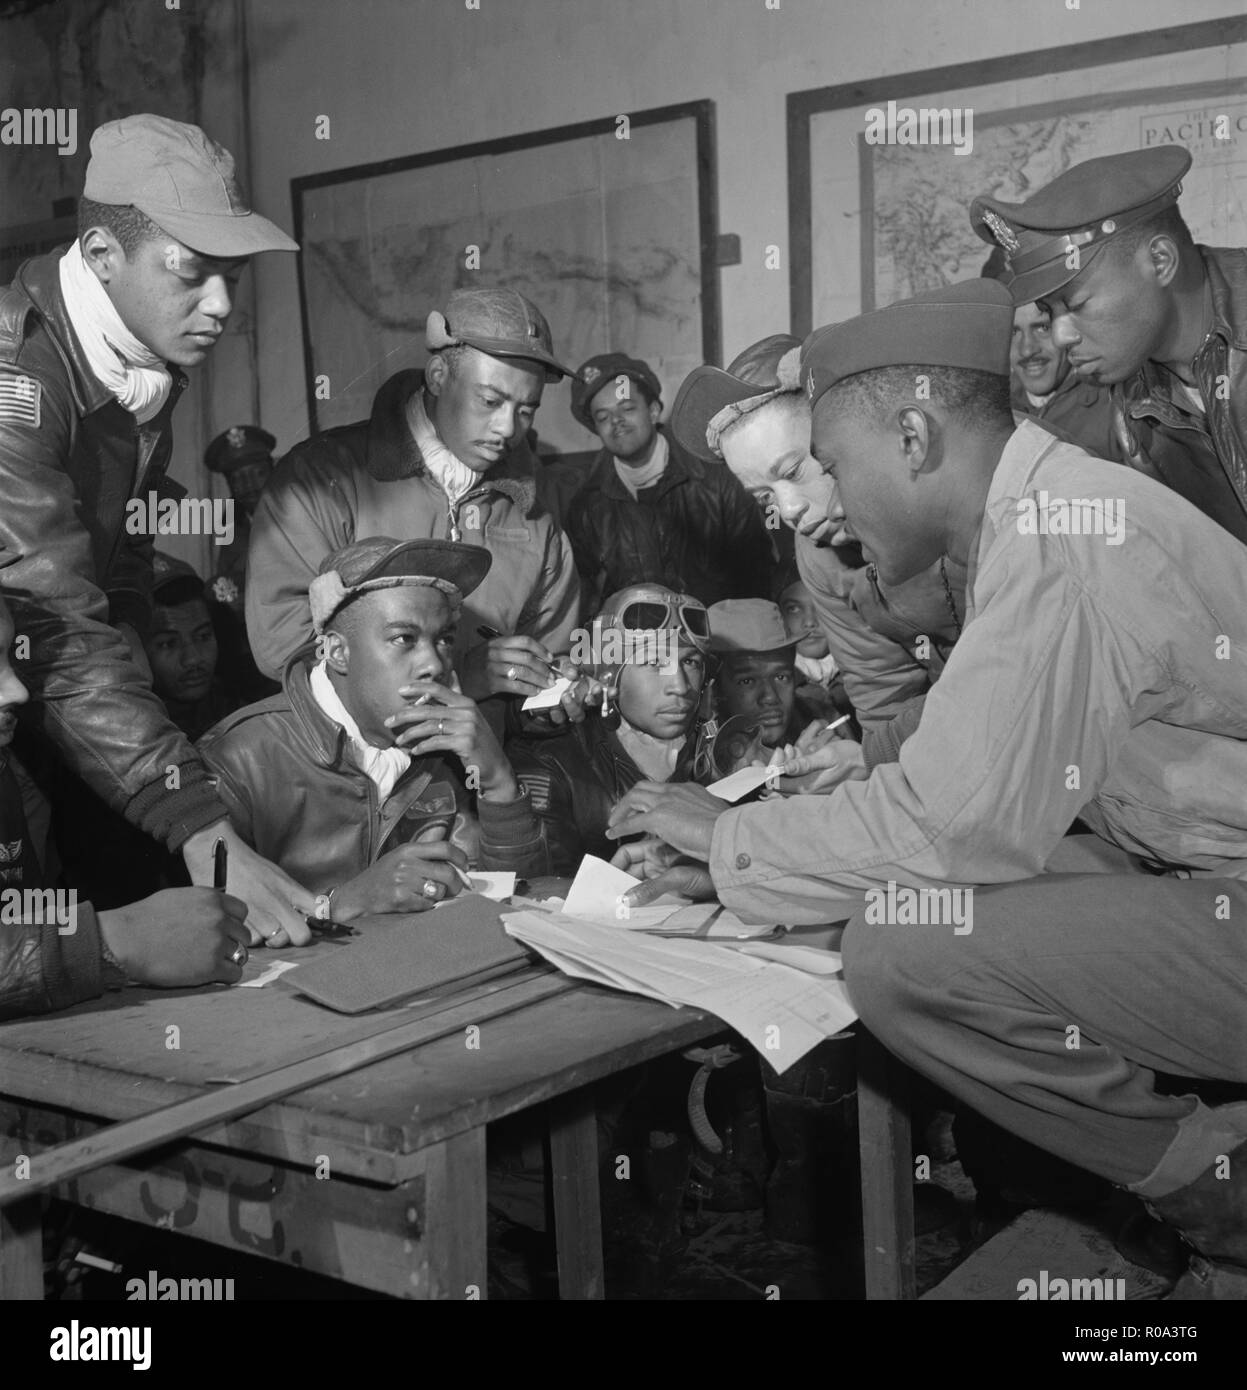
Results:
<point x="1101" y="674"/>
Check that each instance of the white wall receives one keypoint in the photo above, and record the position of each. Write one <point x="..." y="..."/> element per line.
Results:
<point x="399" y="77"/>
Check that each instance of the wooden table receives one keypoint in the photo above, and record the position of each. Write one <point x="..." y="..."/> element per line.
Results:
<point x="378" y="1177"/>
<point x="399" y="1206"/>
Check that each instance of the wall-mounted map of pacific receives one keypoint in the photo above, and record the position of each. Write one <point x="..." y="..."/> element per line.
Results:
<point x="601" y="233"/>
<point x="922" y="236"/>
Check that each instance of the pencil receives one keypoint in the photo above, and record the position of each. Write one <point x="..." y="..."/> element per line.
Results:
<point x="489" y="633"/>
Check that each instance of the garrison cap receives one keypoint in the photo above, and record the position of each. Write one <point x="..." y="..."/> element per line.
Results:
<point x="239" y="445"/>
<point x="601" y="371"/>
<point x="1055" y="233"/>
<point x="501" y="322"/>
<point x="968" y="325"/>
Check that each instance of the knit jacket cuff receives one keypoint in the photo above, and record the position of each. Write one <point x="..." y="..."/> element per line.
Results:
<point x="173" y="815"/>
<point x="73" y="963"/>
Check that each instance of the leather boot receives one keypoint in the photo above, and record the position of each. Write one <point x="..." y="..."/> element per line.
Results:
<point x="1210" y="1214"/>
<point x="811" y="1110"/>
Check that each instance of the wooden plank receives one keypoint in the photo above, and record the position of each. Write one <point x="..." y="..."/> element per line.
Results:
<point x="577" y="1201"/>
<point x="1048" y="1245"/>
<point x="374" y="1119"/>
<point x="176" y="1121"/>
<point x="456" y="1236"/>
<point x="21" y="1251"/>
<point x="887" y="1175"/>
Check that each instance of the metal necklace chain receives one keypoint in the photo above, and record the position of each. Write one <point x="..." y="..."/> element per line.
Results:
<point x="948" y="596"/>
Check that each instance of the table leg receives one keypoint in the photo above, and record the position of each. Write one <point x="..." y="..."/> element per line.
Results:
<point x="887" y="1175"/>
<point x="577" y="1202"/>
<point x="455" y="1237"/>
<point x="21" y="1250"/>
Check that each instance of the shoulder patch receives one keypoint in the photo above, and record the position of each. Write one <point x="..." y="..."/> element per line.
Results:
<point x="537" y="785"/>
<point x="21" y="400"/>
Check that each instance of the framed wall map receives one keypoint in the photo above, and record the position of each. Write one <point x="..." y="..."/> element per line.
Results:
<point x="610" y="228"/>
<point x="874" y="223"/>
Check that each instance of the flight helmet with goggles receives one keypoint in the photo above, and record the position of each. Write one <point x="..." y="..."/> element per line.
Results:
<point x="645" y="623"/>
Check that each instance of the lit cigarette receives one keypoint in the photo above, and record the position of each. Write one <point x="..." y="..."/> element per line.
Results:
<point x="82" y="1258"/>
<point x="835" y="723"/>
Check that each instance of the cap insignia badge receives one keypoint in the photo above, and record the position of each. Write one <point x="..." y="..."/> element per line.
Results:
<point x="1001" y="230"/>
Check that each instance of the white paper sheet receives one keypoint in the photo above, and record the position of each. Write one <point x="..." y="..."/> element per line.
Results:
<point x="548" y="698"/>
<point x="742" y="782"/>
<point x="781" y="1011"/>
<point x="278" y="967"/>
<point x="597" y="888"/>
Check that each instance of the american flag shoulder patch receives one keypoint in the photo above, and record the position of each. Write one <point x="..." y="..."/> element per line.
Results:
<point x="537" y="785"/>
<point x="21" y="400"/>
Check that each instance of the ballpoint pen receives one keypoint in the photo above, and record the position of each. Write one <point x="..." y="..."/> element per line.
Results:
<point x="220" y="865"/>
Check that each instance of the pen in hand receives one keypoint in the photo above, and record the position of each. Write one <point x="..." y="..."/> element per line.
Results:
<point x="489" y="633"/>
<point x="220" y="865"/>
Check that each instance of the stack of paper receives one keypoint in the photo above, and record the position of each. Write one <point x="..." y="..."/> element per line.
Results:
<point x="597" y="895"/>
<point x="782" y="1011"/>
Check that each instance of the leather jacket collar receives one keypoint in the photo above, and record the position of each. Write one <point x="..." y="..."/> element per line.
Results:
<point x="40" y="279"/>
<point x="392" y="453"/>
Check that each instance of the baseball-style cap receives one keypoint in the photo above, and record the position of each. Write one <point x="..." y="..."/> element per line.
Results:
<point x="748" y="625"/>
<point x="968" y="325"/>
<point x="603" y="370"/>
<point x="749" y="381"/>
<point x="1054" y="235"/>
<point x="381" y="562"/>
<point x="183" y="180"/>
<point x="503" y="323"/>
<point x="237" y="446"/>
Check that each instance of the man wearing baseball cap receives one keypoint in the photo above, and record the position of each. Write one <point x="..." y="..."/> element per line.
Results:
<point x="650" y="511"/>
<point x="442" y="455"/>
<point x="1102" y="674"/>
<point x="365" y="742"/>
<point x="1139" y="307"/>
<point x="93" y="342"/>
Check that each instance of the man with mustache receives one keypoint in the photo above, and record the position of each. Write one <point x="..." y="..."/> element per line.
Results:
<point x="649" y="511"/>
<point x="443" y="455"/>
<point x="1139" y="307"/>
<point x="93" y="343"/>
<point x="1045" y="388"/>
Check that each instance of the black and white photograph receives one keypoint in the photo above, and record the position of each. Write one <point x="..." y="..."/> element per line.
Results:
<point x="623" y="676"/>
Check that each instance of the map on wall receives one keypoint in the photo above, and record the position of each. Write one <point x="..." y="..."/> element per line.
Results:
<point x="921" y="233"/>
<point x="603" y="234"/>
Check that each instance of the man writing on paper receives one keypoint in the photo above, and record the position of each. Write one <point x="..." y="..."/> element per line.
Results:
<point x="1102" y="674"/>
<point x="443" y="455"/>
